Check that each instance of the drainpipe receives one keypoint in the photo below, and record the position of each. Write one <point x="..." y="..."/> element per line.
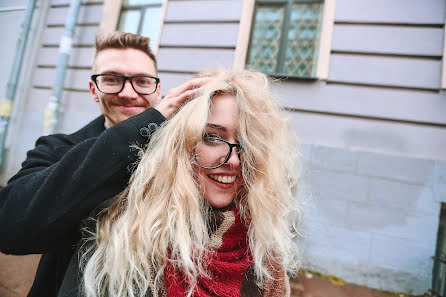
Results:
<point x="6" y="104"/>
<point x="53" y="110"/>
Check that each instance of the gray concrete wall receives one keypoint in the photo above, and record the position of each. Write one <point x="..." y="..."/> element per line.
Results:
<point x="371" y="218"/>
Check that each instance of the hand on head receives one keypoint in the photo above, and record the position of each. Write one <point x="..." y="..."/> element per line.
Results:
<point x="177" y="96"/>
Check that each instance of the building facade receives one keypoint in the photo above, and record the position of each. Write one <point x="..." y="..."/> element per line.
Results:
<point x="362" y="82"/>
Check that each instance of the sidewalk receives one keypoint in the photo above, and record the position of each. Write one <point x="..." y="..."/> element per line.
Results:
<point x="17" y="274"/>
<point x="319" y="287"/>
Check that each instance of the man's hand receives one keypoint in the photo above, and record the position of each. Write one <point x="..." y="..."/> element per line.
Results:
<point x="177" y="96"/>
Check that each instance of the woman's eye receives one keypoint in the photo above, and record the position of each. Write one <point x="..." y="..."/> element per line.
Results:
<point x="212" y="139"/>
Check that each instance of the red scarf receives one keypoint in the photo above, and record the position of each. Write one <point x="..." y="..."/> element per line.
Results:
<point x="229" y="261"/>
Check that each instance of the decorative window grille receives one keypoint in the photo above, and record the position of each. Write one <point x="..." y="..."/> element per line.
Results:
<point x="285" y="37"/>
<point x="141" y="17"/>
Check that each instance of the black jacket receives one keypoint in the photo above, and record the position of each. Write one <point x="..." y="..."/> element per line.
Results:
<point x="61" y="181"/>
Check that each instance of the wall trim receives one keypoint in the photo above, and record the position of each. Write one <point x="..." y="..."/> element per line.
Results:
<point x="110" y="16"/>
<point x="241" y="48"/>
<point x="328" y="18"/>
<point x="160" y="27"/>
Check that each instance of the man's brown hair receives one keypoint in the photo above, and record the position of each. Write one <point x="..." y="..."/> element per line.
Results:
<point x="122" y="40"/>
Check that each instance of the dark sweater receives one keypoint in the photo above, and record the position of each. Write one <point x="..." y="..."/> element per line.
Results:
<point x="61" y="181"/>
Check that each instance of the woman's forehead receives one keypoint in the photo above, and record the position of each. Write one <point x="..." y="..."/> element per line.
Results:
<point x="223" y="113"/>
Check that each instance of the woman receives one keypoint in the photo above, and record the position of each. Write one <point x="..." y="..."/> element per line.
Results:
<point x="211" y="208"/>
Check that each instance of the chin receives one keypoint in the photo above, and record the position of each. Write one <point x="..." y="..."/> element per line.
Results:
<point x="220" y="202"/>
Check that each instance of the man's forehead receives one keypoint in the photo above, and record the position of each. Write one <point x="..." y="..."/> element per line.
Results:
<point x="127" y="61"/>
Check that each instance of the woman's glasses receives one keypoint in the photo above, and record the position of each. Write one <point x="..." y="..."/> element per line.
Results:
<point x="212" y="152"/>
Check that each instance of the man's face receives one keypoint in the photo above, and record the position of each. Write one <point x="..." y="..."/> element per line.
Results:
<point x="119" y="107"/>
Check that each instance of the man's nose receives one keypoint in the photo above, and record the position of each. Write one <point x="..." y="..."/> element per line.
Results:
<point x="128" y="91"/>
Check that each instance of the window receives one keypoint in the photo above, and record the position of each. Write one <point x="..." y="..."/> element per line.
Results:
<point x="141" y="17"/>
<point x="285" y="37"/>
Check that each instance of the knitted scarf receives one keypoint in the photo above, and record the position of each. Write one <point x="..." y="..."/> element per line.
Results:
<point x="229" y="265"/>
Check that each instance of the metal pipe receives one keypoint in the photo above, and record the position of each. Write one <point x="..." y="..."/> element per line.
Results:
<point x="6" y="104"/>
<point x="53" y="110"/>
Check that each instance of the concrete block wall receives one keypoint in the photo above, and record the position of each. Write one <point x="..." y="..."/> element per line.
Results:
<point x="371" y="218"/>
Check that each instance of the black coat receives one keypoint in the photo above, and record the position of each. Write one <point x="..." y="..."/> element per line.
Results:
<point x="61" y="181"/>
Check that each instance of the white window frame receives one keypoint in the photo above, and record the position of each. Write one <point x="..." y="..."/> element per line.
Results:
<point x="324" y="51"/>
<point x="112" y="12"/>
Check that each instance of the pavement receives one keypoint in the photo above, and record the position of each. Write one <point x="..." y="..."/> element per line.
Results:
<point x="17" y="275"/>
<point x="314" y="286"/>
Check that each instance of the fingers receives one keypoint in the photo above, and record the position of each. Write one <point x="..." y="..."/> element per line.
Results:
<point x="177" y="96"/>
<point x="189" y="85"/>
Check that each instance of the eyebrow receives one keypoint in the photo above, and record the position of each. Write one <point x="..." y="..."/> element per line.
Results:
<point x="214" y="126"/>
<point x="115" y="72"/>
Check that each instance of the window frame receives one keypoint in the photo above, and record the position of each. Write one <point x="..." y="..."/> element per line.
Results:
<point x="112" y="11"/>
<point x="326" y="32"/>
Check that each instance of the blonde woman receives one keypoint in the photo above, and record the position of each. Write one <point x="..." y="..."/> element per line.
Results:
<point x="211" y="208"/>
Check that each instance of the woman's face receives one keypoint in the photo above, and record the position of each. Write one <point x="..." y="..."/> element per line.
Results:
<point x="220" y="185"/>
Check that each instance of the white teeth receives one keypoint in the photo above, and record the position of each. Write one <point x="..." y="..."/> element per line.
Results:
<point x="223" y="178"/>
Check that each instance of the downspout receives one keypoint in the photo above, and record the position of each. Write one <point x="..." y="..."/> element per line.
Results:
<point x="7" y="103"/>
<point x="53" y="110"/>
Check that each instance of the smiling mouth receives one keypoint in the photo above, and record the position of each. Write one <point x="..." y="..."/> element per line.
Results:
<point x="129" y="106"/>
<point x="224" y="179"/>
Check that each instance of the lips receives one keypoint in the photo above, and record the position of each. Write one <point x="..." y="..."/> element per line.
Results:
<point x="130" y="106"/>
<point x="225" y="179"/>
<point x="130" y="110"/>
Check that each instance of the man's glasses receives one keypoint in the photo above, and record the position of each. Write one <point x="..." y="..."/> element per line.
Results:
<point x="114" y="83"/>
<point x="212" y="152"/>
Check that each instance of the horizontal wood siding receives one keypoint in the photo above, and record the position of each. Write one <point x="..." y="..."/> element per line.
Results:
<point x="363" y="101"/>
<point x="88" y="14"/>
<point x="171" y="80"/>
<point x="207" y="11"/>
<point x="385" y="71"/>
<point x="391" y="11"/>
<point x="79" y="57"/>
<point x="197" y="36"/>
<point x="384" y="80"/>
<point x="67" y="2"/>
<point x="392" y="40"/>
<point x="74" y="78"/>
<point x="193" y="59"/>
<point x="78" y="107"/>
<point x="370" y="135"/>
<point x="83" y="36"/>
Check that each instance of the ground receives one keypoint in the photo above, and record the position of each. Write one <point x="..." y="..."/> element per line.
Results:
<point x="17" y="274"/>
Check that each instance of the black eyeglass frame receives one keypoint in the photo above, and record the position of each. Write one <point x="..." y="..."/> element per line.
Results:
<point x="129" y="78"/>
<point x="231" y="145"/>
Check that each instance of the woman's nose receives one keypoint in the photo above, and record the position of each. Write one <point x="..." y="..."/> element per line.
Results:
<point x="234" y="158"/>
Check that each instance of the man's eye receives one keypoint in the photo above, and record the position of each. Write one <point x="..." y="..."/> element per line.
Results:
<point x="143" y="81"/>
<point x="110" y="79"/>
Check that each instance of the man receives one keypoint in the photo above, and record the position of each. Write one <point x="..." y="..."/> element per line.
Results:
<point x="65" y="177"/>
